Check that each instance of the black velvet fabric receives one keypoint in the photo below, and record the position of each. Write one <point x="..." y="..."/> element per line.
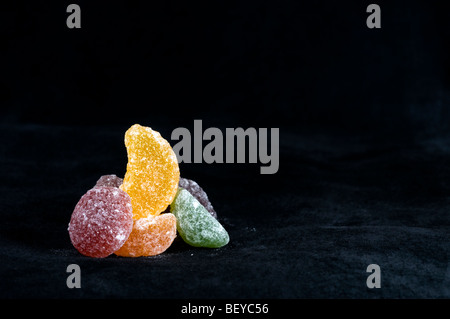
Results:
<point x="364" y="144"/>
<point x="336" y="205"/>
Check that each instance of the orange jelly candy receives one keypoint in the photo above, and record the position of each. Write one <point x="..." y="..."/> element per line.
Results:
<point x="150" y="236"/>
<point x="152" y="174"/>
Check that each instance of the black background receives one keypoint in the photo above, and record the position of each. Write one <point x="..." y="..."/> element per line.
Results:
<point x="364" y="143"/>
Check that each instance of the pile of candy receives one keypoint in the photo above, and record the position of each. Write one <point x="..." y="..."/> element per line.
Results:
<point x="142" y="214"/>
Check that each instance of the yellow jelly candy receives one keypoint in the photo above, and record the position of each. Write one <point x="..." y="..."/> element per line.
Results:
<point x="152" y="174"/>
<point x="150" y="236"/>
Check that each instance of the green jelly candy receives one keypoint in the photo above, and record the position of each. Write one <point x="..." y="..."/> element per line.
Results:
<point x="195" y="224"/>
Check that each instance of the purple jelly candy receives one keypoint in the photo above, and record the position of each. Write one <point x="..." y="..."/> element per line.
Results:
<point x="109" y="180"/>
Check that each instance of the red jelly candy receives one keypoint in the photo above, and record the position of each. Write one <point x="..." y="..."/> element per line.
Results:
<point x="101" y="221"/>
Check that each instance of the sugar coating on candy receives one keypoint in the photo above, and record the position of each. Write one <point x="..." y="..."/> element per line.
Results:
<point x="198" y="192"/>
<point x="101" y="221"/>
<point x="109" y="180"/>
<point x="150" y="236"/>
<point x="195" y="224"/>
<point x="152" y="174"/>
